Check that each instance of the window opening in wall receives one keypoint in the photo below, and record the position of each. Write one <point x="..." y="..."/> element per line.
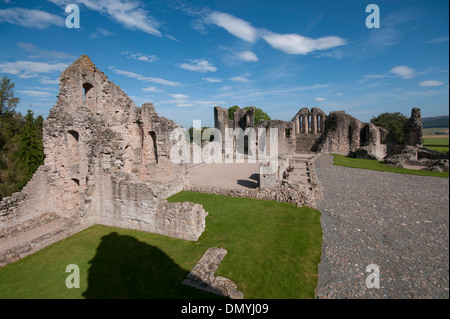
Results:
<point x="287" y="133"/>
<point x="302" y="129"/>
<point x="319" y="123"/>
<point x="86" y="88"/>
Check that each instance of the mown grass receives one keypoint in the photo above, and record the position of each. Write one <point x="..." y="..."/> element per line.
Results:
<point x="440" y="144"/>
<point x="273" y="252"/>
<point x="375" y="165"/>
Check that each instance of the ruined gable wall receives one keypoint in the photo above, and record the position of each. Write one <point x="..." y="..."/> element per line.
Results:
<point x="98" y="169"/>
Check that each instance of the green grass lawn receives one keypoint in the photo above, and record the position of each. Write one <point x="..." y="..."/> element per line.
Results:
<point x="440" y="144"/>
<point x="341" y="160"/>
<point x="273" y="252"/>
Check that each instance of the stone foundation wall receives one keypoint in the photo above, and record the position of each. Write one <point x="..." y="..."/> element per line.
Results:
<point x="140" y="206"/>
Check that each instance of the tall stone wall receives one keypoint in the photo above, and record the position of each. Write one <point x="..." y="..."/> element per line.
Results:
<point x="346" y="135"/>
<point x="107" y="162"/>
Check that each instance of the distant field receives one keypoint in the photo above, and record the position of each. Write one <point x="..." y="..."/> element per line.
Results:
<point x="434" y="130"/>
<point x="440" y="144"/>
<point x="441" y="141"/>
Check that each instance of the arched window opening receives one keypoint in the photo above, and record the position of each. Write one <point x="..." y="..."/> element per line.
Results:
<point x="302" y="128"/>
<point x="87" y="92"/>
<point x="72" y="145"/>
<point x="319" y="123"/>
<point x="310" y="128"/>
<point x="154" y="145"/>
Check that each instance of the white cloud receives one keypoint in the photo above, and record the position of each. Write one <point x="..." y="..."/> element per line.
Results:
<point x="212" y="80"/>
<point x="131" y="14"/>
<point x="339" y="94"/>
<point x="239" y="79"/>
<point x="247" y="56"/>
<point x="101" y="31"/>
<point x="179" y="96"/>
<point x="39" y="53"/>
<point x="27" y="69"/>
<point x="200" y="65"/>
<point x="46" y="80"/>
<point x="405" y="72"/>
<point x="429" y="83"/>
<point x="152" y="89"/>
<point x="36" y="19"/>
<point x="145" y="78"/>
<point x="140" y="57"/>
<point x="36" y="93"/>
<point x="297" y="44"/>
<point x="237" y="27"/>
<point x="438" y="40"/>
<point x="320" y="99"/>
<point x="171" y="37"/>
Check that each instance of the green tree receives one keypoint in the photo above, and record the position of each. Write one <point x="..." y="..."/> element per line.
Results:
<point x="259" y="113"/>
<point x="394" y="122"/>
<point x="31" y="149"/>
<point x="231" y="111"/>
<point x="8" y="101"/>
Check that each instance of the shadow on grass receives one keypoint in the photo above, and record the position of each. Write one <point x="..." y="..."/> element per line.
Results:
<point x="124" y="267"/>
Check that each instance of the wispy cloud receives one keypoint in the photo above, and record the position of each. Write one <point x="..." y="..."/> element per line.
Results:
<point x="199" y="65"/>
<point x="33" y="93"/>
<point x="319" y="99"/>
<point x="46" y="80"/>
<point x="36" y="19"/>
<point x="247" y="56"/>
<point x="45" y="54"/>
<point x="405" y="72"/>
<point x="239" y="79"/>
<point x="140" y="57"/>
<point x="101" y="32"/>
<point x="131" y="14"/>
<point x="179" y="96"/>
<point x="297" y="44"/>
<point x="212" y="80"/>
<point x="429" y="83"/>
<point x="438" y="40"/>
<point x="237" y="27"/>
<point x="288" y="43"/>
<point x="145" y="78"/>
<point x="153" y="89"/>
<point x="27" y="69"/>
<point x="402" y="71"/>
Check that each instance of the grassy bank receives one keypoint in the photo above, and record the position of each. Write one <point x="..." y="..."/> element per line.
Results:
<point x="341" y="160"/>
<point x="273" y="252"/>
<point x="440" y="144"/>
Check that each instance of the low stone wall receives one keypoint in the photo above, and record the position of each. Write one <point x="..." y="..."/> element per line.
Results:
<point x="202" y="275"/>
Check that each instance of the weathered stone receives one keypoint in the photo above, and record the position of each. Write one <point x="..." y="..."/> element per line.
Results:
<point x="107" y="162"/>
<point x="202" y="275"/>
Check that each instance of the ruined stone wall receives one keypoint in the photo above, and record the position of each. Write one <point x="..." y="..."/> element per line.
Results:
<point x="412" y="130"/>
<point x="346" y="135"/>
<point x="106" y="161"/>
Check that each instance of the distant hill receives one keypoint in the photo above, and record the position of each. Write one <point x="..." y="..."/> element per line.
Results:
<point x="435" y="121"/>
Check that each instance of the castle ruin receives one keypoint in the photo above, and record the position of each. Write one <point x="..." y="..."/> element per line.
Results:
<point x="107" y="162"/>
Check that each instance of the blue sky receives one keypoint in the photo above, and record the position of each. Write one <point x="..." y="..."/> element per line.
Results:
<point x="186" y="57"/>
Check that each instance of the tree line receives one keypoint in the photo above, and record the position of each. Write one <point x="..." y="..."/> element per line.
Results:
<point x="21" y="146"/>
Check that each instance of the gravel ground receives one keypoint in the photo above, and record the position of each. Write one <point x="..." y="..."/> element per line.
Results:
<point x="398" y="222"/>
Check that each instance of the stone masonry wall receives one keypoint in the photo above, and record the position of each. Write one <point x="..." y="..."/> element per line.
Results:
<point x="107" y="161"/>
